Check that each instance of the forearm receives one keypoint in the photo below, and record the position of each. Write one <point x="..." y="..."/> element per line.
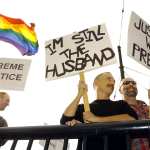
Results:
<point x="121" y="117"/>
<point x="71" y="109"/>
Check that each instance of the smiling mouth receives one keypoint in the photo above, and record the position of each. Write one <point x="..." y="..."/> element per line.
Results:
<point x="132" y="88"/>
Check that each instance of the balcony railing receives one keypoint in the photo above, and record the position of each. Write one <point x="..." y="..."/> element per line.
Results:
<point x="132" y="129"/>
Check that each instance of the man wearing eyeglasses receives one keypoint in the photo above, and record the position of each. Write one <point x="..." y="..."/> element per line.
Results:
<point x="128" y="89"/>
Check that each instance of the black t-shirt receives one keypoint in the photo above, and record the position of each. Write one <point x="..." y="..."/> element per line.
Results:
<point x="3" y="123"/>
<point x="103" y="108"/>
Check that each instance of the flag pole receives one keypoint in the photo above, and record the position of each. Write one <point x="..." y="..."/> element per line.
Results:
<point x="149" y="102"/>
<point x="121" y="63"/>
<point x="85" y="96"/>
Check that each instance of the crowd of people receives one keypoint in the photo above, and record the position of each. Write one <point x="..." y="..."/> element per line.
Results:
<point x="102" y="109"/>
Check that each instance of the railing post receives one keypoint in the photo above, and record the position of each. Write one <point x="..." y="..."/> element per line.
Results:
<point x="65" y="145"/>
<point x="128" y="141"/>
<point x="46" y="144"/>
<point x="30" y="144"/>
<point x="105" y="142"/>
<point x="14" y="144"/>
<point x="84" y="143"/>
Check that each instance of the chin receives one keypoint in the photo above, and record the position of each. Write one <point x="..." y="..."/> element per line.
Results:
<point x="3" y="108"/>
<point x="110" y="90"/>
<point x="109" y="93"/>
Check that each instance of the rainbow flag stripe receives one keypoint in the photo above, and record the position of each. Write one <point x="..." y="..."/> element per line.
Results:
<point x="18" y="33"/>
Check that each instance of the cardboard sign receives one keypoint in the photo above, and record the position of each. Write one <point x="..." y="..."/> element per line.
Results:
<point x="80" y="51"/>
<point x="139" y="40"/>
<point x="13" y="73"/>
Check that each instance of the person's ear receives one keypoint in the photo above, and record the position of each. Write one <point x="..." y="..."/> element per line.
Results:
<point x="96" y="82"/>
<point x="120" y="90"/>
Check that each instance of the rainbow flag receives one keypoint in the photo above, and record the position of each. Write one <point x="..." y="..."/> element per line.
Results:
<point x="18" y="33"/>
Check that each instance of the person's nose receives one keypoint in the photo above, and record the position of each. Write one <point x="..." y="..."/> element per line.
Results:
<point x="112" y="81"/>
<point x="131" y="84"/>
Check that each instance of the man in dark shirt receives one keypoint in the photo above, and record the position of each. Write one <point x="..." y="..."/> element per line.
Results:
<point x="101" y="110"/>
<point x="4" y="102"/>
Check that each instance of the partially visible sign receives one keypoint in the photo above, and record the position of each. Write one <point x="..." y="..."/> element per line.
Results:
<point x="81" y="51"/>
<point x="139" y="40"/>
<point x="13" y="73"/>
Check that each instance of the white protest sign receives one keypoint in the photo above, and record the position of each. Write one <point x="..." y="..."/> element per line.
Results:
<point x="13" y="73"/>
<point x="139" y="40"/>
<point x="80" y="51"/>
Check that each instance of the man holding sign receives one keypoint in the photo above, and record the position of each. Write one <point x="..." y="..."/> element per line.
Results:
<point x="102" y="110"/>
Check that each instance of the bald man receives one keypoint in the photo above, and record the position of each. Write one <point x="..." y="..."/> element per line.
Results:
<point x="4" y="100"/>
<point x="102" y="110"/>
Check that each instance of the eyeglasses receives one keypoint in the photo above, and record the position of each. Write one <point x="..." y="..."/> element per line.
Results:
<point x="128" y="82"/>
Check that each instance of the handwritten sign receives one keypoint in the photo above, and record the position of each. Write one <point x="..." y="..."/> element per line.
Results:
<point x="13" y="73"/>
<point x="139" y="40"/>
<point x="80" y="51"/>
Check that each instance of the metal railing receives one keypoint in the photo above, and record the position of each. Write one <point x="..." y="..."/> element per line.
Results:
<point x="131" y="129"/>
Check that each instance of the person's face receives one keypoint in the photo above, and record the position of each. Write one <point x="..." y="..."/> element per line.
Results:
<point x="4" y="102"/>
<point x="105" y="83"/>
<point x="128" y="88"/>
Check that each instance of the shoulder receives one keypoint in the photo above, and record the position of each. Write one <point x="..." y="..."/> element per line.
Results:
<point x="122" y="102"/>
<point x="141" y="102"/>
<point x="3" y="122"/>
